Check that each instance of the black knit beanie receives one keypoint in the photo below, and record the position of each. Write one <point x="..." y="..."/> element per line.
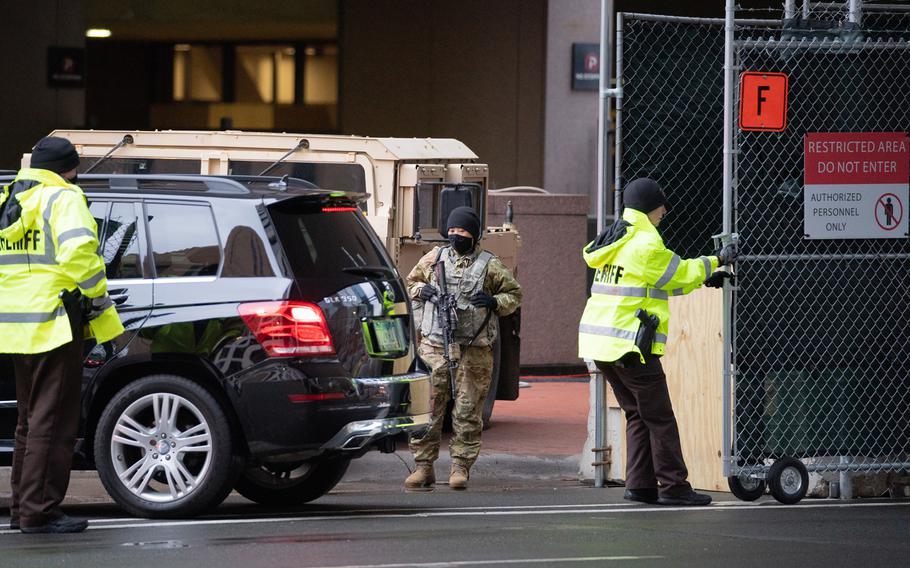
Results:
<point x="465" y="218"/>
<point x="643" y="194"/>
<point x="55" y="154"/>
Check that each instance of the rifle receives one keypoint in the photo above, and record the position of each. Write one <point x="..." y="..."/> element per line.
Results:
<point x="448" y="319"/>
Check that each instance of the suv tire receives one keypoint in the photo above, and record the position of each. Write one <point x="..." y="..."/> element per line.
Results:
<point x="291" y="484"/>
<point x="175" y="470"/>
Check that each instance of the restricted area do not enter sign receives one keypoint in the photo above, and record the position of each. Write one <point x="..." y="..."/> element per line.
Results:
<point x="856" y="185"/>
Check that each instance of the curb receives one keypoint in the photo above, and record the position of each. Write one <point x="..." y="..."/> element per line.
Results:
<point x="504" y="468"/>
<point x="378" y="471"/>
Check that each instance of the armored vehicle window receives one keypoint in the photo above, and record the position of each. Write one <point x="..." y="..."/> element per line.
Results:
<point x="142" y="166"/>
<point x="184" y="240"/>
<point x="343" y="177"/>
<point x="119" y="243"/>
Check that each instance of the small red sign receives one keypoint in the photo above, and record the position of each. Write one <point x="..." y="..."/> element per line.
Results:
<point x="763" y="101"/>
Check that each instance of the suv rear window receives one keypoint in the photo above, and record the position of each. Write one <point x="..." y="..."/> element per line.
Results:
<point x="322" y="241"/>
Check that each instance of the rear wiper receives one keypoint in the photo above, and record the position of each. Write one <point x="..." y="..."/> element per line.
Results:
<point x="369" y="270"/>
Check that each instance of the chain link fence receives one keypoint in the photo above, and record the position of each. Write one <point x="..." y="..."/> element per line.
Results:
<point x="820" y="345"/>
<point x="672" y="121"/>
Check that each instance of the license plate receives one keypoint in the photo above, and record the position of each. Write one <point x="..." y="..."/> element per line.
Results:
<point x="389" y="335"/>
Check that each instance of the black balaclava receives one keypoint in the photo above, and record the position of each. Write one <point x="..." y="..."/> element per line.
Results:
<point x="463" y="218"/>
<point x="55" y="154"/>
<point x="644" y="194"/>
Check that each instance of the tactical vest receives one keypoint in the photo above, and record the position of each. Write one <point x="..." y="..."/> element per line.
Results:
<point x="463" y="286"/>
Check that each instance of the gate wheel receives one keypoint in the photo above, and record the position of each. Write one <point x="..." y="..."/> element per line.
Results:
<point x="788" y="480"/>
<point x="746" y="488"/>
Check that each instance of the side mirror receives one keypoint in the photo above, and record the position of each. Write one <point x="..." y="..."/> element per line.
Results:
<point x="452" y="197"/>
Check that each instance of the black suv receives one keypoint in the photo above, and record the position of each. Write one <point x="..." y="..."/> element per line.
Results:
<point x="268" y="342"/>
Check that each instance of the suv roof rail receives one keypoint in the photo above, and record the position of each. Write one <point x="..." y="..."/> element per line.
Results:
<point x="225" y="185"/>
<point x="188" y="182"/>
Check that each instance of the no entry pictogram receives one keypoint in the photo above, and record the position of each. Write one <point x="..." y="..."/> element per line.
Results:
<point x="889" y="211"/>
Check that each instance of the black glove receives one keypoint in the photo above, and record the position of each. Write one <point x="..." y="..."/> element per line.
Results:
<point x="716" y="280"/>
<point x="727" y="254"/>
<point x="427" y="292"/>
<point x="94" y="307"/>
<point x="484" y="300"/>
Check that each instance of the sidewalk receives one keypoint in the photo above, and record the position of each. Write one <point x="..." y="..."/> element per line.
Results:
<point x="536" y="439"/>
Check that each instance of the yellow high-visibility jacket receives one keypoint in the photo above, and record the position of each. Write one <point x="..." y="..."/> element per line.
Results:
<point x="635" y="271"/>
<point x="48" y="243"/>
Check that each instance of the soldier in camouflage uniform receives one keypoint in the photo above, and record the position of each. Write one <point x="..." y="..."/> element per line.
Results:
<point x="481" y="284"/>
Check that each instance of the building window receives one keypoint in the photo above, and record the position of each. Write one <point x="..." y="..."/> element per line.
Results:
<point x="198" y="73"/>
<point x="258" y="72"/>
<point x="287" y="86"/>
<point x="321" y="75"/>
<point x="269" y="74"/>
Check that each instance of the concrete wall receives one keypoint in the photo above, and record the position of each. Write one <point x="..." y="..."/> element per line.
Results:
<point x="551" y="272"/>
<point x="29" y="109"/>
<point x="471" y="70"/>
<point x="570" y="135"/>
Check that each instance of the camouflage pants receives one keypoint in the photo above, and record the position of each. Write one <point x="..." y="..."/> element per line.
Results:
<point x="472" y="379"/>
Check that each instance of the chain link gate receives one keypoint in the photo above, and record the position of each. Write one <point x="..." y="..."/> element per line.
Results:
<point x="819" y="341"/>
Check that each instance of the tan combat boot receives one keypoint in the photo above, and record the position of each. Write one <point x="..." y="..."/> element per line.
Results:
<point x="422" y="479"/>
<point x="458" y="480"/>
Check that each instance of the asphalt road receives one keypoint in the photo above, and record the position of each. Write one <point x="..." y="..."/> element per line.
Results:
<point x="558" y="524"/>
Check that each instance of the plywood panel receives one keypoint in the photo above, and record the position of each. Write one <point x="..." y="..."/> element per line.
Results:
<point x="694" y="364"/>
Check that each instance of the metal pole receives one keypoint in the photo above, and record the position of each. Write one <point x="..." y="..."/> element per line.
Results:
<point x="600" y="432"/>
<point x="855" y="15"/>
<point x="727" y="230"/>
<point x="846" y="480"/>
<point x="600" y="403"/>
<point x="603" y="110"/>
<point x="789" y="9"/>
<point x="755" y="22"/>
<point x="617" y="153"/>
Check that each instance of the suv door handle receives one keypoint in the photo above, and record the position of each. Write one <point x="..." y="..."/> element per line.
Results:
<point x="119" y="296"/>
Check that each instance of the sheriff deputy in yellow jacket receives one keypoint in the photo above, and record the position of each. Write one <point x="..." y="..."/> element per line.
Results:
<point x="624" y="331"/>
<point x="53" y="283"/>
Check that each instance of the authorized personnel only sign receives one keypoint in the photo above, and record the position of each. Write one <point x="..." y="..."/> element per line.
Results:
<point x="856" y="185"/>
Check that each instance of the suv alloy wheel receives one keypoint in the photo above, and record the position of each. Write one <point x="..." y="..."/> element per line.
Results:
<point x="163" y="448"/>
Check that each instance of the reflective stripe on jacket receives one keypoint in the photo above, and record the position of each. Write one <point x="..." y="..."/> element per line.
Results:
<point x="636" y="271"/>
<point x="48" y="243"/>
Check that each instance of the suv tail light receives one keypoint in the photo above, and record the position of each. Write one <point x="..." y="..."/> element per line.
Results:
<point x="288" y="328"/>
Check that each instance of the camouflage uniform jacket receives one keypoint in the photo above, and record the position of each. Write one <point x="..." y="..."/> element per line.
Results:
<point x="498" y="282"/>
